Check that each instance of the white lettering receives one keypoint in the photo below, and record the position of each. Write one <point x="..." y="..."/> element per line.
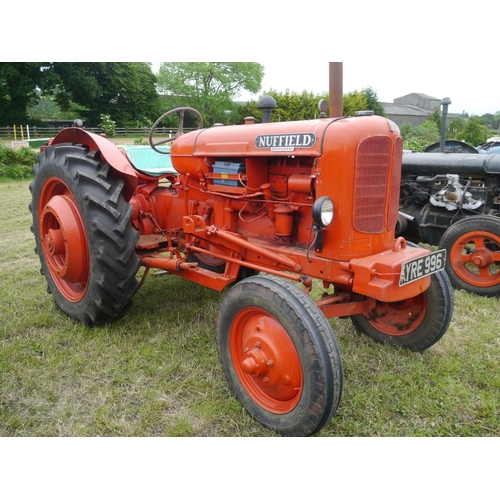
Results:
<point x="305" y="140"/>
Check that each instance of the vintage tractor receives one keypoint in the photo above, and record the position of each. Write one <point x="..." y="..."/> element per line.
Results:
<point x="451" y="199"/>
<point x="305" y="204"/>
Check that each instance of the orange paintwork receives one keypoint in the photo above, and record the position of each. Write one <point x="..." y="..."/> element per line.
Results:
<point x="63" y="239"/>
<point x="258" y="212"/>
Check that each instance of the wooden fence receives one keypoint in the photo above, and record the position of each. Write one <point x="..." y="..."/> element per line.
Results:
<point x="41" y="132"/>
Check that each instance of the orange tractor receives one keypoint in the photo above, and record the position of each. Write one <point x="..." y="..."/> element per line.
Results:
<point x="264" y="213"/>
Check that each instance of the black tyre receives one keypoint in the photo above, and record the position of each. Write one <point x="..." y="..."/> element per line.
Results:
<point x="84" y="238"/>
<point x="279" y="355"/>
<point x="207" y="262"/>
<point x="218" y="266"/>
<point x="415" y="323"/>
<point x="473" y="254"/>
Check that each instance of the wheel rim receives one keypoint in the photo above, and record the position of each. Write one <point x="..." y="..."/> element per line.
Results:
<point x="475" y="258"/>
<point x="266" y="360"/>
<point x="63" y="239"/>
<point x="399" y="318"/>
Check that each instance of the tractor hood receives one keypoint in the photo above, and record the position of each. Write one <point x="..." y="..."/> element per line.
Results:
<point x="304" y="138"/>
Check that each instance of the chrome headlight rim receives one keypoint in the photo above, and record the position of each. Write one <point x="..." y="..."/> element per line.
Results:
<point x="323" y="212"/>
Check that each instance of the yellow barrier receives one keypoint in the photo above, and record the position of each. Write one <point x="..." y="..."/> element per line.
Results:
<point x="21" y="130"/>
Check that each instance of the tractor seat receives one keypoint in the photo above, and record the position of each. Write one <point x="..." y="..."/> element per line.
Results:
<point x="147" y="160"/>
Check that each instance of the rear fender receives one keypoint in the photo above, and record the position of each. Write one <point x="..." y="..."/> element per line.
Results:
<point x="111" y="154"/>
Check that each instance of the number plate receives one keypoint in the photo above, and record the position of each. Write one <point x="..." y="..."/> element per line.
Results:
<point x="422" y="266"/>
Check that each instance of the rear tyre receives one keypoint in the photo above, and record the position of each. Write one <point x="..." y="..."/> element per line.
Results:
<point x="84" y="238"/>
<point x="473" y="254"/>
<point x="416" y="323"/>
<point x="218" y="265"/>
<point x="279" y="355"/>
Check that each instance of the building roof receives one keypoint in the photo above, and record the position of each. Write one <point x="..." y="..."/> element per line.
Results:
<point x="391" y="108"/>
<point x="419" y="94"/>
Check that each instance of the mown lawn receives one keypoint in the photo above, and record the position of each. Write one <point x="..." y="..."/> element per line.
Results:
<point x="156" y="372"/>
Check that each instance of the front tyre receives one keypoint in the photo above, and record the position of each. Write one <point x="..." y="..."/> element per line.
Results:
<point x="416" y="323"/>
<point x="84" y="238"/>
<point x="279" y="355"/>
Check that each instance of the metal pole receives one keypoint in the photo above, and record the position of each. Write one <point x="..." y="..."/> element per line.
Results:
<point x="444" y="103"/>
<point x="335" y="89"/>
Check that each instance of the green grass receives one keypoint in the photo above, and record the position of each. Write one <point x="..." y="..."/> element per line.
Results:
<point x="156" y="371"/>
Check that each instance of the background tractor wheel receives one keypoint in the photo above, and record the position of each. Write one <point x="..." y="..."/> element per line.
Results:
<point x="84" y="238"/>
<point x="473" y="254"/>
<point x="279" y="355"/>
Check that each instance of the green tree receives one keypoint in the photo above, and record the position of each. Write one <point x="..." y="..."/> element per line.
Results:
<point x="209" y="87"/>
<point x="290" y="106"/>
<point x="361" y="100"/>
<point x="435" y="117"/>
<point x="418" y="137"/>
<point x="44" y="108"/>
<point x="373" y="102"/>
<point x="454" y="127"/>
<point x="20" y="85"/>
<point x="295" y="106"/>
<point x="108" y="125"/>
<point x="304" y="106"/>
<point x="125" y="91"/>
<point x="474" y="131"/>
<point x="354" y="101"/>
<point x="495" y="125"/>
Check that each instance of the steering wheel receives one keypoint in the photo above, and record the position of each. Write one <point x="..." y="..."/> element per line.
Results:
<point x="182" y="112"/>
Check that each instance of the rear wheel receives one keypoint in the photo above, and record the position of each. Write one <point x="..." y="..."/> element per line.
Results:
<point x="473" y="249"/>
<point x="279" y="355"/>
<point x="416" y="323"/>
<point x="84" y="238"/>
<point x="218" y="266"/>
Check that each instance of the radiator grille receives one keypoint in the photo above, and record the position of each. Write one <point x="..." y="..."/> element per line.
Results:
<point x="370" y="191"/>
<point x="392" y="217"/>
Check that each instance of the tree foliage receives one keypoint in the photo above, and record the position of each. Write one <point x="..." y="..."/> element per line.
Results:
<point x="20" y="85"/>
<point x="362" y="100"/>
<point x="304" y="106"/>
<point x="125" y="91"/>
<point x="418" y="137"/>
<point x="209" y="87"/>
<point x="473" y="131"/>
<point x="289" y="106"/>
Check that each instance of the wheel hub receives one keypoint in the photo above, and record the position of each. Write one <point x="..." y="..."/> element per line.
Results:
<point x="256" y="363"/>
<point x="63" y="239"/>
<point x="481" y="257"/>
<point x="266" y="360"/>
<point x="54" y="242"/>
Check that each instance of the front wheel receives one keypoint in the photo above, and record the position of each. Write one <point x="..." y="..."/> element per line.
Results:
<point x="84" y="238"/>
<point x="416" y="323"/>
<point x="473" y="248"/>
<point x="279" y="355"/>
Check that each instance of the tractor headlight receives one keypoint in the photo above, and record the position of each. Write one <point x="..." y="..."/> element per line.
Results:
<point x="323" y="212"/>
